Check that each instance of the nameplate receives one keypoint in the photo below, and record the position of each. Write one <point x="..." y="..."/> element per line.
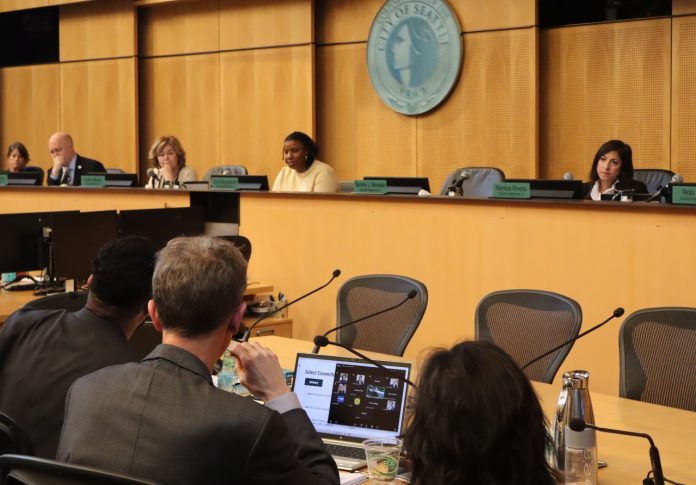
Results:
<point x="684" y="194"/>
<point x="224" y="182"/>
<point x="370" y="187"/>
<point x="96" y="181"/>
<point x="4" y="179"/>
<point x="511" y="190"/>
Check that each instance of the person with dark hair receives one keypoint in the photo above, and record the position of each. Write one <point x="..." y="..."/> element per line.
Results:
<point x="489" y="428"/>
<point x="168" y="159"/>
<point x="612" y="171"/>
<point x="42" y="352"/>
<point x="303" y="172"/>
<point x="17" y="157"/>
<point x="68" y="166"/>
<point x="163" y="419"/>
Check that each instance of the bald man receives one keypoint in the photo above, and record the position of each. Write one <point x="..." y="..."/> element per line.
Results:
<point x="68" y="167"/>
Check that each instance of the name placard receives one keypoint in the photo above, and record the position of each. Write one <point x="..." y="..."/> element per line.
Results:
<point x="684" y="194"/>
<point x="223" y="182"/>
<point x="370" y="187"/>
<point x="96" y="181"/>
<point x="4" y="179"/>
<point x="511" y="190"/>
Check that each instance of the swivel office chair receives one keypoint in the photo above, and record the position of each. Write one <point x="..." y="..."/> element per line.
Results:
<point x="474" y="181"/>
<point x="653" y="178"/>
<point x="13" y="439"/>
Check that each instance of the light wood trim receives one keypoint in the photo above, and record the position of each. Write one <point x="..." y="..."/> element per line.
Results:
<point x="12" y="5"/>
<point x="29" y="109"/>
<point x="98" y="105"/>
<point x="178" y="28"/>
<point x="97" y="30"/>
<point x="683" y="7"/>
<point x="258" y="23"/>
<point x="683" y="104"/>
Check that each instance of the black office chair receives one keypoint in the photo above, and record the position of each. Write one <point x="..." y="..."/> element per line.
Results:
<point x="13" y="439"/>
<point x="653" y="178"/>
<point x="474" y="181"/>
<point x="657" y="348"/>
<point x="29" y="470"/>
<point x="527" y="323"/>
<point x="390" y="332"/>
<point x="71" y="301"/>
<point x="242" y="243"/>
<point x="224" y="170"/>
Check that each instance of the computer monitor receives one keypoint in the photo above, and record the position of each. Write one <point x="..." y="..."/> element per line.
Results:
<point x="24" y="178"/>
<point x="118" y="179"/>
<point x="21" y="242"/>
<point x="246" y="182"/>
<point x="404" y="185"/>
<point x="552" y="189"/>
<point x="77" y="238"/>
<point x="161" y="225"/>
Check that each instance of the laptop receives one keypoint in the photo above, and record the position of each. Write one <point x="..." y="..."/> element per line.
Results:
<point x="349" y="400"/>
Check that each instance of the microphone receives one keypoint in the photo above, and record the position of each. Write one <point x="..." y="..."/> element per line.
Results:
<point x="322" y="341"/>
<point x="456" y="186"/>
<point x="227" y="171"/>
<point x="615" y="314"/>
<point x="411" y="294"/>
<point x="568" y="176"/>
<point x="245" y="338"/>
<point x="64" y="176"/>
<point x="676" y="179"/>
<point x="152" y="173"/>
<point x="577" y="424"/>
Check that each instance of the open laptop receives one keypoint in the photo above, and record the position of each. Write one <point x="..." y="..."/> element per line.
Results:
<point x="349" y="400"/>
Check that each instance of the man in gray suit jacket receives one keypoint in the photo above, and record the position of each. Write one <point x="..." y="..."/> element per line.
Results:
<point x="164" y="420"/>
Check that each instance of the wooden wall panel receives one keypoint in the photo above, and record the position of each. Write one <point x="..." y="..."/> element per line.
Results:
<point x="180" y="96"/>
<point x="683" y="7"/>
<point x="98" y="108"/>
<point x="265" y="94"/>
<point x="97" y="30"/>
<point x="604" y="81"/>
<point x="350" y="21"/>
<point x="490" y="119"/>
<point x="29" y="109"/>
<point x="261" y="23"/>
<point x="683" y="99"/>
<point x="11" y="5"/>
<point x="358" y="134"/>
<point x="179" y="28"/>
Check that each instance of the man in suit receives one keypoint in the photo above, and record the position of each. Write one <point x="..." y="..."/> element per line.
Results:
<point x="68" y="167"/>
<point x="163" y="419"/>
<point x="42" y="352"/>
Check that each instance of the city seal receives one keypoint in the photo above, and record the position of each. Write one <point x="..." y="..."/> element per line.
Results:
<point x="414" y="53"/>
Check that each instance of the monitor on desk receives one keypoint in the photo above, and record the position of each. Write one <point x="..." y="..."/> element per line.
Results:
<point x="117" y="179"/>
<point x="24" y="178"/>
<point x="161" y="225"/>
<point x="553" y="189"/>
<point x="246" y="182"/>
<point x="77" y="238"/>
<point x="404" y="185"/>
<point x="21" y="242"/>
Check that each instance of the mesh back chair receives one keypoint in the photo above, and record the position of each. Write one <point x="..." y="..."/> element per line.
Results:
<point x="29" y="470"/>
<point x="346" y="186"/>
<point x="13" y="439"/>
<point x="479" y="182"/>
<point x="242" y="243"/>
<point x="390" y="332"/>
<point x="657" y="349"/>
<point x="224" y="170"/>
<point x="527" y="323"/>
<point x="71" y="301"/>
<point x="653" y="178"/>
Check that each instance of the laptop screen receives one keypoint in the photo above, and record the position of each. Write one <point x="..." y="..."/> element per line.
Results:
<point x="350" y="399"/>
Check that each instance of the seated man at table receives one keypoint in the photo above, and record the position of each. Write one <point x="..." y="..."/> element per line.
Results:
<point x="42" y="352"/>
<point x="163" y="419"/>
<point x="68" y="167"/>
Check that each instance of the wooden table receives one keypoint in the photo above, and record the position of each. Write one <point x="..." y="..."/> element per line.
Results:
<point x="673" y="430"/>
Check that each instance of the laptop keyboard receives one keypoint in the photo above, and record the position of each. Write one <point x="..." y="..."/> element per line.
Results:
<point x="346" y="451"/>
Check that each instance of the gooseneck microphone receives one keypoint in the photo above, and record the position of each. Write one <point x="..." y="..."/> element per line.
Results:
<point x="322" y="341"/>
<point x="577" y="424"/>
<point x="334" y="275"/>
<point x="676" y="179"/>
<point x="152" y="173"/>
<point x="411" y="294"/>
<point x="616" y="313"/>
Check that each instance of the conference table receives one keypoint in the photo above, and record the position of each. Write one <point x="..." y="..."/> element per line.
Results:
<point x="673" y="430"/>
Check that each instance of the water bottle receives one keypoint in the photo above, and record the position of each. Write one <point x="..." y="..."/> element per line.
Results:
<point x="228" y="380"/>
<point x="580" y="457"/>
<point x="573" y="402"/>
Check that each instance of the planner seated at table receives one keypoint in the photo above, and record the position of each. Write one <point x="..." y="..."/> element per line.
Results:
<point x="163" y="419"/>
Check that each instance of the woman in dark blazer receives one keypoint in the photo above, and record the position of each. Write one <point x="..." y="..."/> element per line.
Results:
<point x="612" y="171"/>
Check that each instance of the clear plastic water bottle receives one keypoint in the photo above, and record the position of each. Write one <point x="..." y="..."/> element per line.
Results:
<point x="228" y="380"/>
<point x="580" y="457"/>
